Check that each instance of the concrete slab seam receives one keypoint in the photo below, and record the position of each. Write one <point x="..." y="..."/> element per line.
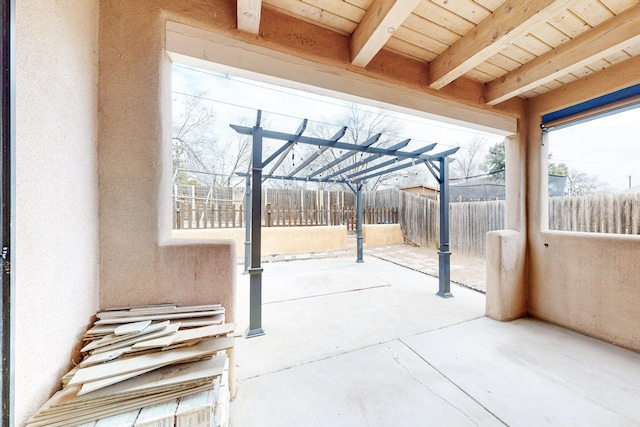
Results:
<point x="417" y="380"/>
<point x="328" y="294"/>
<point x="453" y="382"/>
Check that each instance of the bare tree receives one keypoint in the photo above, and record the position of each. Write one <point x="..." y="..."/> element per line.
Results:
<point x="361" y="125"/>
<point x="198" y="148"/>
<point x="470" y="160"/>
<point x="581" y="183"/>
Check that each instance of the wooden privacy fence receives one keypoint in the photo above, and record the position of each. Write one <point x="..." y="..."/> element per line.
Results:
<point x="469" y="223"/>
<point x="200" y="215"/>
<point x="599" y="213"/>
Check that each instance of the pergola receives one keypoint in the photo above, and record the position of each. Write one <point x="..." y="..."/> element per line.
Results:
<point x="339" y="172"/>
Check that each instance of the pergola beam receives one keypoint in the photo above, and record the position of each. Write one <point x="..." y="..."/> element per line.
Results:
<point x="382" y="18"/>
<point x="611" y="36"/>
<point x="248" y="12"/>
<point x="421" y="150"/>
<point x="368" y="159"/>
<point x="347" y="155"/>
<point x="510" y="21"/>
<point x="244" y="130"/>
<point x="307" y="162"/>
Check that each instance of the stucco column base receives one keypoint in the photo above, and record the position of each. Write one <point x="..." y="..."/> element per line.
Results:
<point x="506" y="291"/>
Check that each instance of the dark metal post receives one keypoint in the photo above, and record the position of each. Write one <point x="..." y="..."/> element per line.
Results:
<point x="444" y="289"/>
<point x="359" y="221"/>
<point x="255" y="272"/>
<point x="247" y="224"/>
<point x="7" y="202"/>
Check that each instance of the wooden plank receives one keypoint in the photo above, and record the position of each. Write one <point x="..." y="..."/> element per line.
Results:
<point x="112" y="339"/>
<point x="161" y="309"/>
<point x="76" y="417"/>
<point x="196" y="410"/>
<point x="119" y="320"/>
<point x="131" y="328"/>
<point x="380" y="21"/>
<point x="314" y="15"/>
<point x="248" y="15"/>
<point x="172" y="328"/>
<point x="186" y="335"/>
<point x="121" y="420"/>
<point x="441" y="16"/>
<point x="139" y="363"/>
<point x="606" y="39"/>
<point x="510" y="21"/>
<point x="158" y="415"/>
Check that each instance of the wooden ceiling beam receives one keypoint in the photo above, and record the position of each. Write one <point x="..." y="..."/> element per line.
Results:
<point x="510" y="21"/>
<point x="249" y="15"/>
<point x="376" y="27"/>
<point x="607" y="38"/>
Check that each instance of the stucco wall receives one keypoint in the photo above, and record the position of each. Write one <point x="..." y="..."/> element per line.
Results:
<point x="139" y="262"/>
<point x="587" y="282"/>
<point x="278" y="240"/>
<point x="56" y="191"/>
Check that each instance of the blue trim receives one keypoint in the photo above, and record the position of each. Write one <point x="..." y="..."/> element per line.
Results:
<point x="593" y="103"/>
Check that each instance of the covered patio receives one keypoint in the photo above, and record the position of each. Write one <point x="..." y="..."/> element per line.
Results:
<point x="351" y="344"/>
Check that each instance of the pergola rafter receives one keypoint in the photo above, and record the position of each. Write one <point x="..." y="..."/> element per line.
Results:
<point x="437" y="164"/>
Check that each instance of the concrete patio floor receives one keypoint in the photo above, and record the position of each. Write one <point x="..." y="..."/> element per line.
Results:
<point x="370" y="344"/>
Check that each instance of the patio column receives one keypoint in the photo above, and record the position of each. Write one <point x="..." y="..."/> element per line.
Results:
<point x="255" y="271"/>
<point x="247" y="224"/>
<point x="444" y="262"/>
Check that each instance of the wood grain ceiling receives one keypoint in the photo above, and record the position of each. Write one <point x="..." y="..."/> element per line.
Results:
<point x="513" y="47"/>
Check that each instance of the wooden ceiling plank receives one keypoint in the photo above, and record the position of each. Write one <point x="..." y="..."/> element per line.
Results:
<point x="380" y="21"/>
<point x="592" y="12"/>
<point x="571" y="57"/>
<point x="504" y="62"/>
<point x="616" y="57"/>
<point x="532" y="44"/>
<point x="419" y="24"/>
<point x="339" y="8"/>
<point x="570" y="24"/>
<point x="249" y="15"/>
<point x="468" y="9"/>
<point x="618" y="6"/>
<point x="362" y="4"/>
<point x="549" y="34"/>
<point x="420" y="40"/>
<point x="443" y="17"/>
<point x="409" y="49"/>
<point x="490" y="4"/>
<point x="510" y="21"/>
<point x="518" y="54"/>
<point x="313" y="15"/>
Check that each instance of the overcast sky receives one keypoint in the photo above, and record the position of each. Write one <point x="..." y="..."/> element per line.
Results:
<point x="608" y="148"/>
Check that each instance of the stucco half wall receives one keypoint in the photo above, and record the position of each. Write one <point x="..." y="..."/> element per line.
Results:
<point x="278" y="240"/>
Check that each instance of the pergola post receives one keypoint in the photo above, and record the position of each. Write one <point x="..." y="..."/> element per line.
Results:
<point x="255" y="271"/>
<point x="247" y="224"/>
<point x="444" y="254"/>
<point x="359" y="222"/>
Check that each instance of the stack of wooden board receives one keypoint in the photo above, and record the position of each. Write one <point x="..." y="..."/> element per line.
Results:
<point x="137" y="357"/>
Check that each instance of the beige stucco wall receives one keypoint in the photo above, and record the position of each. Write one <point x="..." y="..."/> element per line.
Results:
<point x="381" y="234"/>
<point x="139" y="261"/>
<point x="56" y="269"/>
<point x="587" y="282"/>
<point x="278" y="240"/>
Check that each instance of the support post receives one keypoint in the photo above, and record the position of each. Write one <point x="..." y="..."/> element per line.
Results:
<point x="444" y="255"/>
<point x="7" y="208"/>
<point x="255" y="271"/>
<point x="359" y="222"/>
<point x="247" y="224"/>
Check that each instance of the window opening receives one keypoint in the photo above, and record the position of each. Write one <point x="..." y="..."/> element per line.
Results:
<point x="594" y="174"/>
